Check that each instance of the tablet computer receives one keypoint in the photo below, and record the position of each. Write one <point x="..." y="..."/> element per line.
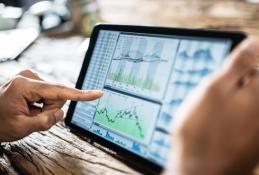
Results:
<point x="145" y="73"/>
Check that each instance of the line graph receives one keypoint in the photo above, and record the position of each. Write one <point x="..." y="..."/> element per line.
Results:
<point x="127" y="116"/>
<point x="186" y="84"/>
<point x="136" y="148"/>
<point x="200" y="72"/>
<point x="141" y="64"/>
<point x="137" y="56"/>
<point x="165" y="121"/>
<point x="98" y="130"/>
<point x="176" y="102"/>
<point x="200" y="54"/>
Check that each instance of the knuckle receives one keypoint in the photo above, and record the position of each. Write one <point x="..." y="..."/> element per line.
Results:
<point x="18" y="130"/>
<point x="47" y="123"/>
<point x="17" y="127"/>
<point x="77" y="96"/>
<point x="44" y="127"/>
<point x="40" y="86"/>
<point x="60" y="86"/>
<point x="18" y="80"/>
<point x="26" y="72"/>
<point x="60" y="91"/>
<point x="244" y="59"/>
<point x="29" y="74"/>
<point x="14" y="128"/>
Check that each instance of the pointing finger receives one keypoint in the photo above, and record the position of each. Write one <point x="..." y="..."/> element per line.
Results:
<point x="59" y="92"/>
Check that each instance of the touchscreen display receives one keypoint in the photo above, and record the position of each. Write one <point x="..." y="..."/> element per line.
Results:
<point x="145" y="78"/>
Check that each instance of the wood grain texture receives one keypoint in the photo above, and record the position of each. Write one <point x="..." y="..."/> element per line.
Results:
<point x="58" y="151"/>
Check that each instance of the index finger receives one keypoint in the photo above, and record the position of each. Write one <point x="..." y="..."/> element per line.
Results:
<point x="60" y="92"/>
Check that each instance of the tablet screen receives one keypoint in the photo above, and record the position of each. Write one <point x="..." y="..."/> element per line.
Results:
<point x="145" y="78"/>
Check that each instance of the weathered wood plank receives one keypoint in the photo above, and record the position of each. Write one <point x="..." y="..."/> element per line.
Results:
<point x="58" y="151"/>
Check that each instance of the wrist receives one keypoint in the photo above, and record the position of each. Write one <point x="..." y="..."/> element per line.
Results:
<point x="197" y="159"/>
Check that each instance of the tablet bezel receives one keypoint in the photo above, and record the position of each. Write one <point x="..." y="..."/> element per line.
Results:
<point x="141" y="164"/>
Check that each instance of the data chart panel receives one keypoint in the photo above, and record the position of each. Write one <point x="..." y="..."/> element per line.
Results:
<point x="195" y="60"/>
<point x="132" y="117"/>
<point x="142" y="64"/>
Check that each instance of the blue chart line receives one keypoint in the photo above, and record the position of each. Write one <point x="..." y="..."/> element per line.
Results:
<point x="176" y="102"/>
<point x="166" y="118"/>
<point x="163" y="143"/>
<point x="202" y="72"/>
<point x="98" y="131"/>
<point x="120" y="143"/>
<point x="201" y="54"/>
<point x="158" y="155"/>
<point x="109" y="137"/>
<point x="187" y="84"/>
<point x="162" y="146"/>
<point x="136" y="147"/>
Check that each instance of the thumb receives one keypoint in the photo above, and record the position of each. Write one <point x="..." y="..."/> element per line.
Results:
<point x="45" y="120"/>
<point x="242" y="60"/>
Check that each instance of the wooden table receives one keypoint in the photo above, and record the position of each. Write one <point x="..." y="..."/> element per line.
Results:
<point x="58" y="151"/>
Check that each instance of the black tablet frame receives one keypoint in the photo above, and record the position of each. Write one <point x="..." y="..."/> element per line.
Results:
<point x="141" y="164"/>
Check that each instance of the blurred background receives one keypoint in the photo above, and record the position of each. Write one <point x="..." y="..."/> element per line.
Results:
<point x="57" y="31"/>
<point x="84" y="14"/>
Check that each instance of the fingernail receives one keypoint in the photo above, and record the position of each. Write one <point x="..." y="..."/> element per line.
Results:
<point x="95" y="92"/>
<point x="59" y="115"/>
<point x="98" y="92"/>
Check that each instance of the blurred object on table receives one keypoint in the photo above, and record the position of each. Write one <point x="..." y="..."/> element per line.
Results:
<point x="61" y="16"/>
<point x="54" y="59"/>
<point x="9" y="17"/>
<point x="14" y="42"/>
<point x="51" y="14"/>
<point x="25" y="4"/>
<point x="13" y="39"/>
<point x="84" y="15"/>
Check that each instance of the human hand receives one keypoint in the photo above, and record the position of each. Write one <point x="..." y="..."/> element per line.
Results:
<point x="19" y="116"/>
<point x="217" y="127"/>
